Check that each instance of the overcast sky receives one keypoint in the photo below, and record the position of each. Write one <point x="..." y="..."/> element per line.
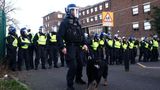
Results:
<point x="30" y="12"/>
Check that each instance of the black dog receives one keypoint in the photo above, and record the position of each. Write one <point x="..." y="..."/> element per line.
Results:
<point x="95" y="70"/>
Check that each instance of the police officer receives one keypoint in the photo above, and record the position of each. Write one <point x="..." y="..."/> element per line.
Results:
<point x="11" y="44"/>
<point x="125" y="53"/>
<point x="23" y="43"/>
<point x="70" y="31"/>
<point x="109" y="49"/>
<point x="40" y="44"/>
<point x="53" y="49"/>
<point x="31" y="49"/>
<point x="155" y="46"/>
<point x="141" y="49"/>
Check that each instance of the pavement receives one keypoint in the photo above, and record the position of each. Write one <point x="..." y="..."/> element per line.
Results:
<point x="140" y="77"/>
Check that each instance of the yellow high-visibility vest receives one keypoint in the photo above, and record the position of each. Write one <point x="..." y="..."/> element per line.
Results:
<point x="131" y="45"/>
<point x="15" y="42"/>
<point x="94" y="45"/>
<point x="155" y="44"/>
<point x="117" y="44"/>
<point x="146" y="45"/>
<point x="124" y="45"/>
<point x="53" y="38"/>
<point x="42" y="39"/>
<point x="101" y="42"/>
<point x="110" y="43"/>
<point x="26" y="41"/>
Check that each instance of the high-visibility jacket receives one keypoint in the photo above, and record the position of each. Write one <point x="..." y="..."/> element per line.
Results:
<point x="131" y="45"/>
<point x="110" y="43"/>
<point x="155" y="44"/>
<point x="101" y="42"/>
<point x="94" y="45"/>
<point x="15" y="41"/>
<point x="117" y="44"/>
<point x="42" y="39"/>
<point x="26" y="43"/>
<point x="146" y="45"/>
<point x="53" y="38"/>
<point x="124" y="46"/>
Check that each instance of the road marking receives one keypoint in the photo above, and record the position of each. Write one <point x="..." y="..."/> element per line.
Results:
<point x="143" y="66"/>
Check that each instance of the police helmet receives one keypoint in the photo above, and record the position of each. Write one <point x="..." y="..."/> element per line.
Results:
<point x="72" y="10"/>
<point x="42" y="29"/>
<point x="11" y="29"/>
<point x="23" y="31"/>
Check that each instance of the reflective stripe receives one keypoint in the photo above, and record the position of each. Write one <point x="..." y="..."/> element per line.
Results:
<point x="117" y="44"/>
<point x="53" y="38"/>
<point x="41" y="39"/>
<point x="26" y="41"/>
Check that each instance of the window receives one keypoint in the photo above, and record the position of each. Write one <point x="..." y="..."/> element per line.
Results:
<point x="100" y="7"/>
<point x="87" y="20"/>
<point x="95" y="18"/>
<point x="135" y="26"/>
<point x="135" y="10"/>
<point x="95" y="9"/>
<point x="59" y="15"/>
<point x="59" y="23"/>
<point x="91" y="10"/>
<point x="147" y="7"/>
<point x="106" y="5"/>
<point x="87" y="11"/>
<point x="83" y="12"/>
<point x="46" y="18"/>
<point x="100" y="16"/>
<point x="79" y="13"/>
<point x="91" y="19"/>
<point x="147" y="25"/>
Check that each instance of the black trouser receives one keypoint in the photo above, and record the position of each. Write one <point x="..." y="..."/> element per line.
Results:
<point x="131" y="56"/>
<point x="117" y="55"/>
<point x="135" y="54"/>
<point x="40" y="54"/>
<point x="109" y="56"/>
<point x="74" y="64"/>
<point x="141" y="53"/>
<point x="126" y="59"/>
<point x="53" y="55"/>
<point x="11" y="55"/>
<point x="146" y="55"/>
<point x="155" y="54"/>
<point x="23" y="57"/>
<point x="62" y="57"/>
<point x="31" y="52"/>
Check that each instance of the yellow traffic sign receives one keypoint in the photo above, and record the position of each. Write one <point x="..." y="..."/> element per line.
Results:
<point x="107" y="19"/>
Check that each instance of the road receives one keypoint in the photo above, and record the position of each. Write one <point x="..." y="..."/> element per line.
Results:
<point x="142" y="76"/>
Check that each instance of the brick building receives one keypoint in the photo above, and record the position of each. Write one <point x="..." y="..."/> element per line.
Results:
<point x="131" y="17"/>
<point x="52" y="20"/>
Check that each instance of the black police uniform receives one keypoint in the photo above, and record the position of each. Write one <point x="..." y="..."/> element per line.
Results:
<point x="70" y="31"/>
<point x="53" y="50"/>
<point x="40" y="51"/>
<point x="31" y="51"/>
<point x="11" y="50"/>
<point x="23" y="54"/>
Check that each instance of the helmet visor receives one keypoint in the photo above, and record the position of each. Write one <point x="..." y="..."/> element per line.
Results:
<point x="74" y="11"/>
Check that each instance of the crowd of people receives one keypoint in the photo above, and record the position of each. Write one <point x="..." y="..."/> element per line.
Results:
<point x="74" y="47"/>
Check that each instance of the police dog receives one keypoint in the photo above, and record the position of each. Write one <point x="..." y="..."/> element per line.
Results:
<point x="95" y="70"/>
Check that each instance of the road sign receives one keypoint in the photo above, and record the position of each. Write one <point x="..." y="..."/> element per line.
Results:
<point x="107" y="19"/>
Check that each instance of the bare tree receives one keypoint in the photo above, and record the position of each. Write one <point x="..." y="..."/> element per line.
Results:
<point x="8" y="7"/>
